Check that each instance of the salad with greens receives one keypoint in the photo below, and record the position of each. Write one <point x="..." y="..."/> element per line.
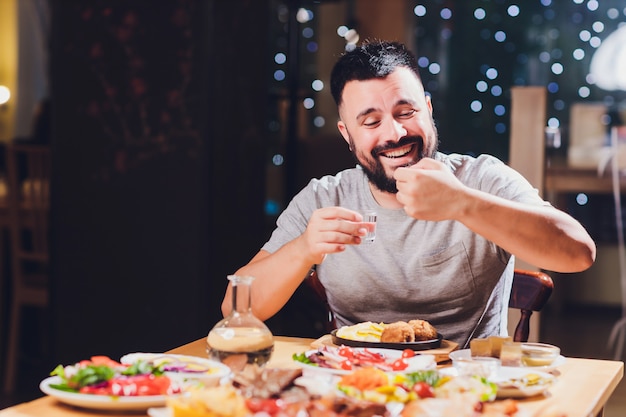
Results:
<point x="101" y="375"/>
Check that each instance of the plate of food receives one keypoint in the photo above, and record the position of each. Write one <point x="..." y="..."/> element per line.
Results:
<point x="512" y="382"/>
<point x="522" y="382"/>
<point x="99" y="402"/>
<point x="346" y="359"/>
<point x="138" y="384"/>
<point x="413" y="334"/>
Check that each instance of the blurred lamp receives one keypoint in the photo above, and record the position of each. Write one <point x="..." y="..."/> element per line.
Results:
<point x="608" y="63"/>
<point x="5" y="95"/>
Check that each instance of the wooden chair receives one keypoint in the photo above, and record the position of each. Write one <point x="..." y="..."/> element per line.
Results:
<point x="28" y="174"/>
<point x="530" y="292"/>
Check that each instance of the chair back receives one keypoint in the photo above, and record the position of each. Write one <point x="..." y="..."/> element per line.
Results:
<point x="28" y="175"/>
<point x="28" y="179"/>
<point x="530" y="292"/>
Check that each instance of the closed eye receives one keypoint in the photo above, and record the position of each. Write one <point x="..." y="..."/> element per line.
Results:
<point x="406" y="113"/>
<point x="371" y="123"/>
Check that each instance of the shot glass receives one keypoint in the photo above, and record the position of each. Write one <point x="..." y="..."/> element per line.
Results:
<point x="369" y="217"/>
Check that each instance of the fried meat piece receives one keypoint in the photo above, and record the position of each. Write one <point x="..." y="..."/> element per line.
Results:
<point x="423" y="330"/>
<point x="398" y="332"/>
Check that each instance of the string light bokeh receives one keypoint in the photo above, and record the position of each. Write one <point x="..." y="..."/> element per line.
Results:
<point x="470" y="52"/>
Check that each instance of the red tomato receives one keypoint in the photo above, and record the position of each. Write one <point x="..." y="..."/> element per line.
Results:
<point x="347" y="365"/>
<point x="408" y="353"/>
<point x="140" y="385"/>
<point x="423" y="390"/>
<point x="346" y="352"/>
<point x="267" y="405"/>
<point x="100" y="360"/>
<point x="102" y="390"/>
<point x="399" y="365"/>
<point x="104" y="360"/>
<point x="153" y="385"/>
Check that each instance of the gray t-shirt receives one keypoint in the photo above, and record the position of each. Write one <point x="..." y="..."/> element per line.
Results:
<point x="436" y="271"/>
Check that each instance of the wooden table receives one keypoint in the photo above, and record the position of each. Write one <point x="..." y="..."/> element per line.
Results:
<point x="584" y="386"/>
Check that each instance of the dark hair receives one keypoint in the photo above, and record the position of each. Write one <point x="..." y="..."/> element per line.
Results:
<point x="375" y="59"/>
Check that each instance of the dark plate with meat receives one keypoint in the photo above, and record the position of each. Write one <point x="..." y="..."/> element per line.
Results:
<point x="418" y="345"/>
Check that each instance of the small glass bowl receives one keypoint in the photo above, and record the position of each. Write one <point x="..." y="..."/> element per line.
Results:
<point x="539" y="354"/>
<point x="468" y="365"/>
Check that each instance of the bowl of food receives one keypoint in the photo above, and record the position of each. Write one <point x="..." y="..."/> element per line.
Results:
<point x="539" y="354"/>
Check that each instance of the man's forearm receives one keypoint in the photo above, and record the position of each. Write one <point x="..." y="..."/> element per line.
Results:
<point x="277" y="276"/>
<point x="543" y="236"/>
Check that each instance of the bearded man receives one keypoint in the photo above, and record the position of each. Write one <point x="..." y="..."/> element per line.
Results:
<point x="449" y="226"/>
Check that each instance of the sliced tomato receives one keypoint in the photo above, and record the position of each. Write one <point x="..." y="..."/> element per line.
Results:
<point x="346" y="352"/>
<point x="96" y="390"/>
<point x="408" y="353"/>
<point x="399" y="365"/>
<point x="100" y="360"/>
<point x="140" y="385"/>
<point x="268" y="405"/>
<point x="104" y="360"/>
<point x="346" y="365"/>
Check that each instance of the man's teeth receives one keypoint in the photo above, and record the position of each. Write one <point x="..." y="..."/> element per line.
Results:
<point x="397" y="153"/>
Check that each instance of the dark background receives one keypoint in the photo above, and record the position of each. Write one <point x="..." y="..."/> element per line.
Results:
<point x="158" y="149"/>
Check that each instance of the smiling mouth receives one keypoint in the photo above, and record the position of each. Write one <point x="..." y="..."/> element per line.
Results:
<point x="398" y="152"/>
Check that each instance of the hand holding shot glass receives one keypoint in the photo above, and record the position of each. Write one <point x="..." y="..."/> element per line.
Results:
<point x="369" y="220"/>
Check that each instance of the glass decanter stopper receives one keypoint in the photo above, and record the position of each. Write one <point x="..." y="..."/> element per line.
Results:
<point x="240" y="338"/>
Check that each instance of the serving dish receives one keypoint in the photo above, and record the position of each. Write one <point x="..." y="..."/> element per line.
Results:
<point x="419" y="362"/>
<point x="100" y="402"/>
<point x="420" y="345"/>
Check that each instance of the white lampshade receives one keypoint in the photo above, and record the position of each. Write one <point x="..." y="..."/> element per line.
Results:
<point x="608" y="63"/>
<point x="5" y="94"/>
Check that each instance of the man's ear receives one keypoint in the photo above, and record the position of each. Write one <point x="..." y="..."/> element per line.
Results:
<point x="429" y="103"/>
<point x="344" y="131"/>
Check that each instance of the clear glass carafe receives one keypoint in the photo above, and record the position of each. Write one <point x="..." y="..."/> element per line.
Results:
<point x="240" y="338"/>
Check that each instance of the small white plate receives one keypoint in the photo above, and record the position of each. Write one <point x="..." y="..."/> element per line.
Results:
<point x="519" y="390"/>
<point x="506" y="373"/>
<point x="419" y="362"/>
<point x="100" y="402"/>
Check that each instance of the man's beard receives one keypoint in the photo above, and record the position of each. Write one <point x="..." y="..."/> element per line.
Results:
<point x="374" y="169"/>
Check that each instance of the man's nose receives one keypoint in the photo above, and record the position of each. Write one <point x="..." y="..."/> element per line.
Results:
<point x="395" y="130"/>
